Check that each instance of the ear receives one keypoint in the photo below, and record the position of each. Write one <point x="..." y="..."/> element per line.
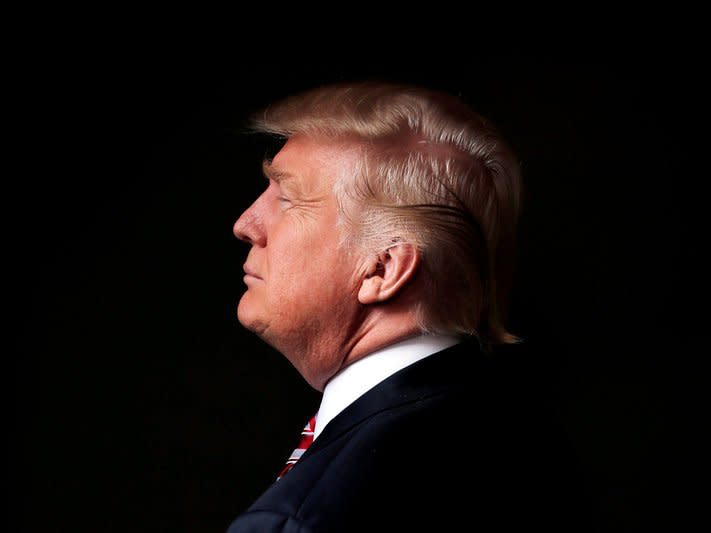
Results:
<point x="388" y="272"/>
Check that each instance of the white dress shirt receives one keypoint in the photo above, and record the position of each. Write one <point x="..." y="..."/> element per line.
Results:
<point x="359" y="377"/>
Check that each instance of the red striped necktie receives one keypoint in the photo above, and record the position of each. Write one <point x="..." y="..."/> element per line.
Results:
<point x="307" y="437"/>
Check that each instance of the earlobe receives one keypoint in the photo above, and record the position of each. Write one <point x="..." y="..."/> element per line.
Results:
<point x="388" y="272"/>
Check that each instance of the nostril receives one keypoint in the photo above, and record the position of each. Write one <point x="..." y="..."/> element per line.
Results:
<point x="248" y="227"/>
<point x="239" y="231"/>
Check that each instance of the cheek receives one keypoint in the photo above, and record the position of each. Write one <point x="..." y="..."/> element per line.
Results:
<point x="296" y="250"/>
<point x="304" y="261"/>
<point x="307" y="277"/>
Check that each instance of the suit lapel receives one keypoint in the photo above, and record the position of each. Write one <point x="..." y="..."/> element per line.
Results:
<point x="453" y="368"/>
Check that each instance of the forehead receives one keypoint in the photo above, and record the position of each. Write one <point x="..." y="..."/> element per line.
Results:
<point x="311" y="163"/>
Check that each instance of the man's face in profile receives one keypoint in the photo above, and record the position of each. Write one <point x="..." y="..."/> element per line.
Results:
<point x="301" y="285"/>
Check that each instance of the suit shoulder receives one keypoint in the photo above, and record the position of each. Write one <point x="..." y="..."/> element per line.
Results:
<point x="268" y="522"/>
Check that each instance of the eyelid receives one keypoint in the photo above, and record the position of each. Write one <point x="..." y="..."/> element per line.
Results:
<point x="284" y="200"/>
<point x="279" y="193"/>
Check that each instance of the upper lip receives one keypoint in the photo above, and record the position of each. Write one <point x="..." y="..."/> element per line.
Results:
<point x="250" y="272"/>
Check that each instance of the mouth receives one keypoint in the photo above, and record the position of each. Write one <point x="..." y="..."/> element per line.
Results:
<point x="249" y="273"/>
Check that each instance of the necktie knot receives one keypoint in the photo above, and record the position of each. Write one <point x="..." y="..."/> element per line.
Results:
<point x="307" y="437"/>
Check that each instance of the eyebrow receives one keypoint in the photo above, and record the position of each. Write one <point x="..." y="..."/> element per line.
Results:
<point x="274" y="174"/>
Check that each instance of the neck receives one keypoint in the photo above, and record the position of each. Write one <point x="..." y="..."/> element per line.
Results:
<point x="380" y="329"/>
<point x="327" y="350"/>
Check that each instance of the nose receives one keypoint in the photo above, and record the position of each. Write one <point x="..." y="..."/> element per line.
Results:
<point x="249" y="227"/>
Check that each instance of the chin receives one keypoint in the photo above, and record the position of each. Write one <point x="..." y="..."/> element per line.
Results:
<point x="246" y="314"/>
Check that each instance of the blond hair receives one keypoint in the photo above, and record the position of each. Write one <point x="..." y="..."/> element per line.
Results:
<point x="432" y="173"/>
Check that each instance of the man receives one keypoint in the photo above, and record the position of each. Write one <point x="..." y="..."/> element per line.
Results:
<point x="380" y="264"/>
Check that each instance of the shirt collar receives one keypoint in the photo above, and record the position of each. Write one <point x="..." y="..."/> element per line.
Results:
<point x="361" y="376"/>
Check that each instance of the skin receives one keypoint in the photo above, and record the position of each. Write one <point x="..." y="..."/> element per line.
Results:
<point x="319" y="304"/>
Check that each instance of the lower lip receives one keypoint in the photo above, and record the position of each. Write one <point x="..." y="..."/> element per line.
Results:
<point x="249" y="277"/>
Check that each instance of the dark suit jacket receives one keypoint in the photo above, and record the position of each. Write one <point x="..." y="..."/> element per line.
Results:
<point x="442" y="445"/>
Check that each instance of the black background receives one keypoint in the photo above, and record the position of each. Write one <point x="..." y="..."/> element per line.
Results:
<point x="137" y="401"/>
